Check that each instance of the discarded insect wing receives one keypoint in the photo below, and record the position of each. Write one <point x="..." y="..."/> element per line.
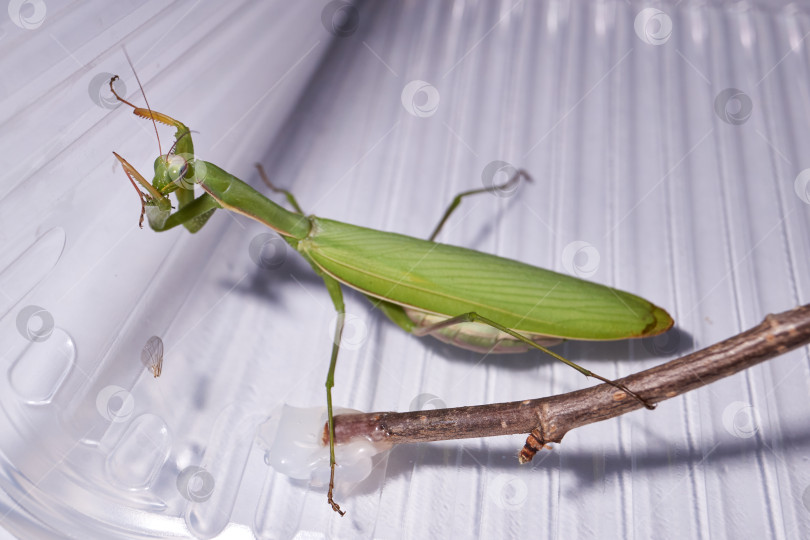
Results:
<point x="152" y="355"/>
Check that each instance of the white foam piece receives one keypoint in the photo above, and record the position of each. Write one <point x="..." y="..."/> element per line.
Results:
<point x="293" y="437"/>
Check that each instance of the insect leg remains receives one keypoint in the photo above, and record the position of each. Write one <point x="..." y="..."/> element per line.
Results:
<point x="475" y="317"/>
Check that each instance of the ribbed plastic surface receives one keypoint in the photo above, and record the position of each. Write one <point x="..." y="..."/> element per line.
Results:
<point x="666" y="146"/>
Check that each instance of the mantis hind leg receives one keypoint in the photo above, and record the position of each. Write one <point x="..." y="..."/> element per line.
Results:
<point x="475" y="317"/>
<point x="520" y="173"/>
<point x="290" y="197"/>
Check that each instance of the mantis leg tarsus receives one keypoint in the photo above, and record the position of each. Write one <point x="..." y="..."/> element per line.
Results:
<point x="475" y="317"/>
<point x="119" y="98"/>
<point x="457" y="199"/>
<point x="290" y="197"/>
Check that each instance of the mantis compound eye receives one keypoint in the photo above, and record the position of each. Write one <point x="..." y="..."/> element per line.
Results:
<point x="177" y="167"/>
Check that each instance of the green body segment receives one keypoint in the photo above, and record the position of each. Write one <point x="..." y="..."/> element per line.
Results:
<point x="419" y="282"/>
<point x="235" y="195"/>
<point x="444" y="280"/>
<point x="448" y="281"/>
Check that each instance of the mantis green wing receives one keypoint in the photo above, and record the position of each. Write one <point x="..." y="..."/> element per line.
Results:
<point x="445" y="281"/>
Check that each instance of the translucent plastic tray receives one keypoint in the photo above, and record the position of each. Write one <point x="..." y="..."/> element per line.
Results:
<point x="667" y="145"/>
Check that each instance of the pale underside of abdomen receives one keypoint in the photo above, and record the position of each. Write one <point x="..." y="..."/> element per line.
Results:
<point x="476" y="336"/>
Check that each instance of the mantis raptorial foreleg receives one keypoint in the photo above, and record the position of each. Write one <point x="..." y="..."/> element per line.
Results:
<point x="520" y="173"/>
<point x="475" y="317"/>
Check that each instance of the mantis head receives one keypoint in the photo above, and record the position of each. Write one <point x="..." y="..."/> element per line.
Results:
<point x="175" y="172"/>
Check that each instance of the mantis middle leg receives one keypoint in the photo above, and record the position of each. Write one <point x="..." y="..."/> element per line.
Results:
<point x="336" y="294"/>
<point x="457" y="199"/>
<point x="290" y="197"/>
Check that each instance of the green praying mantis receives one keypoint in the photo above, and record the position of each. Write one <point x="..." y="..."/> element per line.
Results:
<point x="471" y="299"/>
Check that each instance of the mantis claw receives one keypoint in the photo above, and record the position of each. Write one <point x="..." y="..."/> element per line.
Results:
<point x="135" y="178"/>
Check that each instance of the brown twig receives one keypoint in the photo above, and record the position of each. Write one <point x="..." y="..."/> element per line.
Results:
<point x="549" y="419"/>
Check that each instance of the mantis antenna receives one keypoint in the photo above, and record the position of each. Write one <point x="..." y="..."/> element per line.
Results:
<point x="143" y="93"/>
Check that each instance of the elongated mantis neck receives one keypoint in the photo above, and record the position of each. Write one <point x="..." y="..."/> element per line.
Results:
<point x="237" y="196"/>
